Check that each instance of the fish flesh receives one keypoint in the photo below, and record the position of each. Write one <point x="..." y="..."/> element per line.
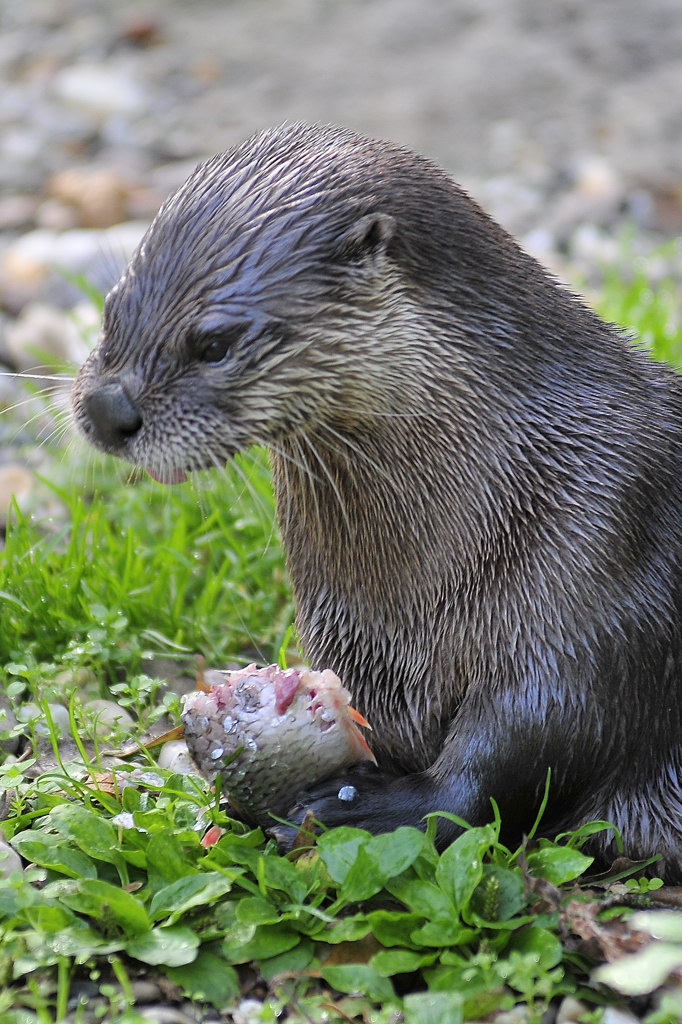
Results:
<point x="271" y="733"/>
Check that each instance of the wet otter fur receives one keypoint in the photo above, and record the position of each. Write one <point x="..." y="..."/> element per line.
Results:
<point x="479" y="483"/>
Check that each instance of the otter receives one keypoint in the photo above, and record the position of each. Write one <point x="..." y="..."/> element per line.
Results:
<point x="478" y="482"/>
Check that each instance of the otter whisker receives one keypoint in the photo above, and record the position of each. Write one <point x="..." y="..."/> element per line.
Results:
<point x="344" y="446"/>
<point x="330" y="478"/>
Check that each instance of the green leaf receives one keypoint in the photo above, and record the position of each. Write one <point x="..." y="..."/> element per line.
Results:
<point x="49" y="851"/>
<point x="256" y="910"/>
<point x="166" y="858"/>
<point x="49" y="918"/>
<point x="95" y="835"/>
<point x="428" y="1007"/>
<point x="363" y="864"/>
<point x="422" y="897"/>
<point x="339" y="850"/>
<point x="171" y="947"/>
<point x="500" y="894"/>
<point x="108" y="904"/>
<point x="57" y="930"/>
<point x="539" y="945"/>
<point x="558" y="864"/>
<point x="207" y="979"/>
<point x="394" y="927"/>
<point x="364" y="879"/>
<point x="400" y="961"/>
<point x="347" y="929"/>
<point x="361" y="978"/>
<point x="299" y="958"/>
<point x="396" y="851"/>
<point x="460" y="867"/>
<point x="280" y="874"/>
<point x="266" y="941"/>
<point x="442" y="932"/>
<point x="196" y="890"/>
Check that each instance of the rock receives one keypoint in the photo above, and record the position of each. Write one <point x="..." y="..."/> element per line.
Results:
<point x="17" y="212"/>
<point x="145" y="991"/>
<point x="8" y="721"/>
<point x="94" y="197"/>
<point x="165" y="1015"/>
<point x="100" y="89"/>
<point x="41" y="265"/>
<point x="613" y="1015"/>
<point x="175" y="756"/>
<point x="105" y="718"/>
<point x="10" y="861"/>
<point x="74" y="678"/>
<point x="16" y="484"/>
<point x="249" y="1011"/>
<point x="34" y="715"/>
<point x="43" y="335"/>
<point x="571" y="1010"/>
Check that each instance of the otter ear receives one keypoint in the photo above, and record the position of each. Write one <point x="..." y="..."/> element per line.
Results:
<point x="368" y="237"/>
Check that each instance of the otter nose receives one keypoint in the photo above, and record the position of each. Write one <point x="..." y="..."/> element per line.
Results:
<point x="113" y="415"/>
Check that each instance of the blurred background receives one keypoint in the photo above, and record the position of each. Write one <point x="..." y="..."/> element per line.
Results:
<point x="563" y="118"/>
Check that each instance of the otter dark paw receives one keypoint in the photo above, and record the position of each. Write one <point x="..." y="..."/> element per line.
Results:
<point x="362" y="797"/>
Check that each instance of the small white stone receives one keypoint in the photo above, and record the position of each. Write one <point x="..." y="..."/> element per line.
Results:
<point x="10" y="860"/>
<point x="107" y="717"/>
<point x="42" y="331"/>
<point x="99" y="89"/>
<point x="249" y="1011"/>
<point x="175" y="756"/>
<point x="35" y="714"/>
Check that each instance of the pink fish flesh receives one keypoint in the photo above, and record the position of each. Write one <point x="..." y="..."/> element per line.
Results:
<point x="270" y="733"/>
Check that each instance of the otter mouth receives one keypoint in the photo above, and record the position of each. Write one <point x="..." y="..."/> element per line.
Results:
<point x="177" y="475"/>
<point x="168" y="476"/>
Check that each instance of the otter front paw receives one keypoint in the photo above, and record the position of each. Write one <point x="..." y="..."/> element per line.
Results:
<point x="361" y="797"/>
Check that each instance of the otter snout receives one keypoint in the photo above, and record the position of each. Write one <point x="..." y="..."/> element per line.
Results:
<point x="112" y="417"/>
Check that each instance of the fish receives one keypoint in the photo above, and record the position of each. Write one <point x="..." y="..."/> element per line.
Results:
<point x="270" y="733"/>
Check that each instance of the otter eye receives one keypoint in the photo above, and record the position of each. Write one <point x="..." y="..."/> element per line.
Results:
<point x="215" y="350"/>
<point x="213" y="346"/>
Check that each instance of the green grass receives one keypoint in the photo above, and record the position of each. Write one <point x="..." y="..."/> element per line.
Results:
<point x="132" y="571"/>
<point x="120" y="884"/>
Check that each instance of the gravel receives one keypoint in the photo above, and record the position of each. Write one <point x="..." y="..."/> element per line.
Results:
<point x="553" y="114"/>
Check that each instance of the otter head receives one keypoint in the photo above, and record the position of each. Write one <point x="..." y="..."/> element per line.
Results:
<point x="250" y="309"/>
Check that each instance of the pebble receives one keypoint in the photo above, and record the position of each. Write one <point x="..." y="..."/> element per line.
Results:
<point x="614" y="1015"/>
<point x="43" y="336"/>
<point x="571" y="1010"/>
<point x="106" y="719"/>
<point x="94" y="197"/>
<point x="175" y="756"/>
<point x="42" y="264"/>
<point x="100" y="89"/>
<point x="34" y="715"/>
<point x="249" y="1011"/>
<point x="8" y="721"/>
<point x="10" y="861"/>
<point x="145" y="991"/>
<point x="74" y="678"/>
<point x="165" y="1015"/>
<point x="16" y="484"/>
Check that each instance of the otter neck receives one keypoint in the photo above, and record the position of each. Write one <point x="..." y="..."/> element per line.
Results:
<point x="381" y="546"/>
